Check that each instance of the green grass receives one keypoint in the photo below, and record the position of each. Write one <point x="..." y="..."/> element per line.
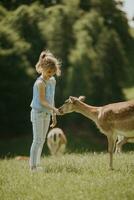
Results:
<point x="129" y="93"/>
<point x="70" y="177"/>
<point x="74" y="176"/>
<point x="132" y="32"/>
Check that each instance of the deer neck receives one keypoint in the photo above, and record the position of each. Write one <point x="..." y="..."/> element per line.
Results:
<point x="88" y="111"/>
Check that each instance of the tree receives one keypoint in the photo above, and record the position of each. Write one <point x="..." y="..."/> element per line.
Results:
<point x="82" y="56"/>
<point x="58" y="35"/>
<point x="3" y="12"/>
<point x="114" y="18"/>
<point x="14" y="87"/>
<point x="111" y="63"/>
<point x="97" y="59"/>
<point x="25" y="20"/>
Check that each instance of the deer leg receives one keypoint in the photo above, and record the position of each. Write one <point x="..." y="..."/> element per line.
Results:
<point x="111" y="145"/>
<point x="119" y="145"/>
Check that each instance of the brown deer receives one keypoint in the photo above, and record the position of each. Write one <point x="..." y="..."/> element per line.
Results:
<point x="112" y="119"/>
<point x="121" y="141"/>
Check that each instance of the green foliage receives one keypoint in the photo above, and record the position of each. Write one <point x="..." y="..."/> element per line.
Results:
<point x="129" y="92"/>
<point x="58" y="35"/>
<point x="3" y="12"/>
<point x="14" y="4"/>
<point x="85" y="5"/>
<point x="111" y="59"/>
<point x="114" y="18"/>
<point x="130" y="68"/>
<point x="97" y="59"/>
<point x="14" y="97"/>
<point x="82" y="56"/>
<point x="25" y="20"/>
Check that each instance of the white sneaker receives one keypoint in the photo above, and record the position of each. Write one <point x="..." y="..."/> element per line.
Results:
<point x="36" y="169"/>
<point x="39" y="168"/>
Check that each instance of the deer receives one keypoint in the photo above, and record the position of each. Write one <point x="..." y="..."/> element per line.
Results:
<point x="112" y="119"/>
<point x="56" y="141"/>
<point x="121" y="140"/>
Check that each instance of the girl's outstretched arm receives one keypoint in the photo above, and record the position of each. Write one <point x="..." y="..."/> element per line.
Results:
<point x="43" y="101"/>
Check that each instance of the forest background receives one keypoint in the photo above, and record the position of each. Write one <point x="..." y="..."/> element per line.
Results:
<point x="96" y="46"/>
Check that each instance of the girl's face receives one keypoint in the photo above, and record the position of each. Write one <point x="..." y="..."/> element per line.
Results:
<point x="48" y="73"/>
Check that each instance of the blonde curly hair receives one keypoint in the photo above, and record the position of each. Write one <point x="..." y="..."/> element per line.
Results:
<point x="48" y="60"/>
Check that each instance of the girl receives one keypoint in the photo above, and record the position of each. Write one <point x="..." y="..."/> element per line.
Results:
<point x="43" y="104"/>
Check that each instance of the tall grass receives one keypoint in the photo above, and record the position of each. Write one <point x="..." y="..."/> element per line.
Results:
<point x="69" y="177"/>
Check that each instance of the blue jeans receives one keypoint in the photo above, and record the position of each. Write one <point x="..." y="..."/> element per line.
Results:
<point x="40" y="122"/>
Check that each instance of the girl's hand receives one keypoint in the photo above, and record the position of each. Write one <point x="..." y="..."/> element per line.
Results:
<point x="54" y="121"/>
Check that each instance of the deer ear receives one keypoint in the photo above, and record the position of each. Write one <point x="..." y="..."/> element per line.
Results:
<point x="72" y="99"/>
<point x="82" y="98"/>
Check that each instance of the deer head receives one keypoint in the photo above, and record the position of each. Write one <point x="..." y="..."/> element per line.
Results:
<point x="69" y="105"/>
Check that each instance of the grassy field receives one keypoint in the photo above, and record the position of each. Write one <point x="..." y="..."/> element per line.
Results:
<point x="80" y="175"/>
<point x="129" y="93"/>
<point x="70" y="177"/>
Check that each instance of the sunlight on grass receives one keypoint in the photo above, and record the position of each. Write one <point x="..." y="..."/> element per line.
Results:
<point x="129" y="93"/>
<point x="132" y="32"/>
<point x="69" y="177"/>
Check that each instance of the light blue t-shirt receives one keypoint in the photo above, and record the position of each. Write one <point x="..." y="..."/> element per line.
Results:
<point x="49" y="92"/>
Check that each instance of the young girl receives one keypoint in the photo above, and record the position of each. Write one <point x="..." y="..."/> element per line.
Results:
<point x="43" y="104"/>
